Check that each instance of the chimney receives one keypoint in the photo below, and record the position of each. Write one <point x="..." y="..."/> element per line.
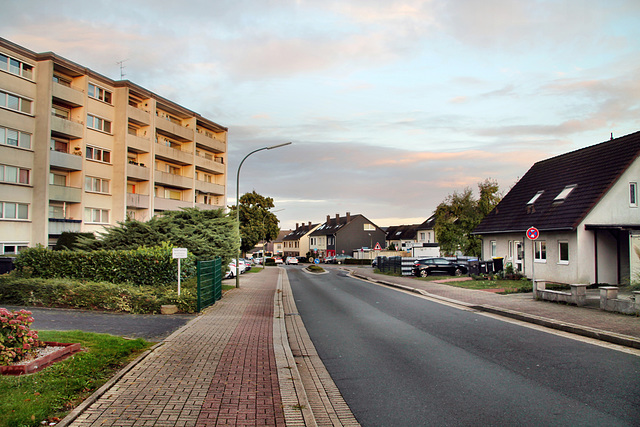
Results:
<point x="296" y="225"/>
<point x="348" y="217"/>
<point x="337" y="218"/>
<point x="328" y="219"/>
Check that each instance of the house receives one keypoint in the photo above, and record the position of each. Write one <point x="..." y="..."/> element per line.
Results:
<point x="296" y="243"/>
<point x="82" y="152"/>
<point x="584" y="205"/>
<point x="405" y="237"/>
<point x="278" y="243"/>
<point x="345" y="235"/>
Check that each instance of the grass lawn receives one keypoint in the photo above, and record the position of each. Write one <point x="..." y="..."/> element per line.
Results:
<point x="50" y="394"/>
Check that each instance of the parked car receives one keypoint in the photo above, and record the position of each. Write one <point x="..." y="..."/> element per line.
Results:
<point x="329" y="260"/>
<point x="429" y="266"/>
<point x="278" y="260"/>
<point x="242" y="265"/>
<point x="291" y="260"/>
<point x="231" y="271"/>
<point x="340" y="259"/>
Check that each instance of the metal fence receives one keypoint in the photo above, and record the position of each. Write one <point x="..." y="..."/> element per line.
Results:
<point x="209" y="282"/>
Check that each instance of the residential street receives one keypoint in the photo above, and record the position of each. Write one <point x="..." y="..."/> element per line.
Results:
<point x="399" y="359"/>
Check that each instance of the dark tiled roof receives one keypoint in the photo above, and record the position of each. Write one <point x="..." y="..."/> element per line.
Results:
<point x="299" y="232"/>
<point x="402" y="232"/>
<point x="593" y="170"/>
<point x="333" y="225"/>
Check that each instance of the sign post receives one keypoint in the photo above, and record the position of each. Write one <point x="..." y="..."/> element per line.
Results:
<point x="533" y="234"/>
<point x="179" y="253"/>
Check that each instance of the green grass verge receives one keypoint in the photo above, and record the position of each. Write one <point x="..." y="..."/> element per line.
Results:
<point x="50" y="394"/>
<point x="509" y="286"/>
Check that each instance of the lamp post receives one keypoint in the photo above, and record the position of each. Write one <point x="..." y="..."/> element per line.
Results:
<point x="238" y="204"/>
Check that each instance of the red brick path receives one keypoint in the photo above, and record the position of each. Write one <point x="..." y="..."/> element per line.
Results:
<point x="245" y="390"/>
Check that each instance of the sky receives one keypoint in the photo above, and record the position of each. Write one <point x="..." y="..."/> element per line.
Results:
<point x="390" y="105"/>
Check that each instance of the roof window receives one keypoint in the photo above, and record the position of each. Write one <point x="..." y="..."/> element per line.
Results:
<point x="534" y="198"/>
<point x="564" y="193"/>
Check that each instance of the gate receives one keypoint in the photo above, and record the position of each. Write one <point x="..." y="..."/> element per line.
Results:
<point x="209" y="282"/>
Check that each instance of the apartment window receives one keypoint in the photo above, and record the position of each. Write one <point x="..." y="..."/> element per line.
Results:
<point x="563" y="252"/>
<point x="94" y="215"/>
<point x="12" y="248"/>
<point x="10" y="210"/>
<point x="131" y="188"/>
<point x="16" y="67"/>
<point x="493" y="248"/>
<point x="15" y="138"/>
<point x="540" y="251"/>
<point x="369" y="227"/>
<point x="173" y="170"/>
<point x="97" y="123"/>
<point x="171" y="194"/>
<point x="58" y="179"/>
<point x="97" y="185"/>
<point x="98" y="154"/>
<point x="99" y="93"/>
<point x="57" y="210"/>
<point x="14" y="102"/>
<point x="61" y="111"/>
<point x="14" y="174"/>
<point x="633" y="194"/>
<point x="63" y="80"/>
<point x="59" y="144"/>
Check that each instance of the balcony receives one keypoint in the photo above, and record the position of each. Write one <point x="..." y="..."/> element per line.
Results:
<point x="138" y="144"/>
<point x="210" y="165"/>
<point x="138" y="116"/>
<point x="173" y="155"/>
<point x="209" y="187"/>
<point x="210" y="143"/>
<point x="138" y="173"/>
<point x="208" y="207"/>
<point x="68" y="94"/>
<point x="64" y="161"/>
<point x="59" y="225"/>
<point x="172" y="180"/>
<point x="169" y="204"/>
<point x="138" y="201"/>
<point x="60" y="193"/>
<point x="179" y="132"/>
<point x="68" y="128"/>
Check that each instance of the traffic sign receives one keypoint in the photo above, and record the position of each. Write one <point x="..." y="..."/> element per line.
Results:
<point x="533" y="233"/>
<point x="377" y="247"/>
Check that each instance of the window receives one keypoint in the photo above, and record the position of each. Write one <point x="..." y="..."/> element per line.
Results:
<point x="633" y="194"/>
<point x="98" y="185"/>
<point x="63" y="80"/>
<point x="58" y="178"/>
<point x="93" y="215"/>
<point x="59" y="144"/>
<point x="540" y="251"/>
<point x="14" y="174"/>
<point x="172" y="194"/>
<point x="369" y="227"/>
<point x="98" y="154"/>
<point x="16" y="103"/>
<point x="16" y="67"/>
<point x="15" y="138"/>
<point x="10" y="210"/>
<point x="493" y="248"/>
<point x="56" y="210"/>
<point x="564" y="193"/>
<point x="534" y="198"/>
<point x="61" y="111"/>
<point x="510" y="245"/>
<point x="563" y="252"/>
<point x="97" y="123"/>
<point x="99" y="93"/>
<point x="12" y="248"/>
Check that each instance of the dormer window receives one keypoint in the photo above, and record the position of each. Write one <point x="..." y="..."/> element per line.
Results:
<point x="534" y="198"/>
<point x="564" y="193"/>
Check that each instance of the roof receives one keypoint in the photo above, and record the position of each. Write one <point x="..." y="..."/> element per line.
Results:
<point x="299" y="232"/>
<point x="584" y="176"/>
<point x="402" y="232"/>
<point x="335" y="224"/>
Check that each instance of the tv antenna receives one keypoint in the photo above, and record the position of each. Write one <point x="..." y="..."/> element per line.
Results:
<point x="121" y="64"/>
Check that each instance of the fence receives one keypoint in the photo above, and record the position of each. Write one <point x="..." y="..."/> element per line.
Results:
<point x="209" y="282"/>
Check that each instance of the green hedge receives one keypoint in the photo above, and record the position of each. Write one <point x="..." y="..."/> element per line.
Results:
<point x="354" y="261"/>
<point x="142" y="267"/>
<point x="96" y="296"/>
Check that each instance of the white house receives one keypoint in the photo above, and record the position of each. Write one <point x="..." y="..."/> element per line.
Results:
<point x="584" y="205"/>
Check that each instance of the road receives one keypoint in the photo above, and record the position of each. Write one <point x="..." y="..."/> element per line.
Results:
<point x="403" y="360"/>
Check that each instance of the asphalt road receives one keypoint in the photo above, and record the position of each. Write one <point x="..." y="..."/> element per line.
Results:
<point x="152" y="327"/>
<point x="401" y="360"/>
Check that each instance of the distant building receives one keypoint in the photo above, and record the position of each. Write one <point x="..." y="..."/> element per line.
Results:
<point x="79" y="151"/>
<point x="405" y="237"/>
<point x="345" y="235"/>
<point x="296" y="243"/>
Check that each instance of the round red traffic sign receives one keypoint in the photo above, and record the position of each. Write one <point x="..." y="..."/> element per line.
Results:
<point x="533" y="233"/>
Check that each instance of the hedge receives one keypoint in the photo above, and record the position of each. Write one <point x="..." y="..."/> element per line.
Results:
<point x="142" y="267"/>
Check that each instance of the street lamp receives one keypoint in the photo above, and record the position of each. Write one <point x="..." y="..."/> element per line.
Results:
<point x="264" y="240"/>
<point x="238" y="204"/>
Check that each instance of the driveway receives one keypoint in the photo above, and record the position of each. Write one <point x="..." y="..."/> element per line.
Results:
<point x="151" y="327"/>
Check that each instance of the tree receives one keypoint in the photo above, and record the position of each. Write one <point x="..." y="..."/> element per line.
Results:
<point x="459" y="214"/>
<point x="256" y="222"/>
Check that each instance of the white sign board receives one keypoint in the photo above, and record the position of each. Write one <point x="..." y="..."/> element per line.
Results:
<point x="179" y="253"/>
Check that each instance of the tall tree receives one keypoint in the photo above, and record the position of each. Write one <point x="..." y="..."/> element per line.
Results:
<point x="256" y="222"/>
<point x="459" y="214"/>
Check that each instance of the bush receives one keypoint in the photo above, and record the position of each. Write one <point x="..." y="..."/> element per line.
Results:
<point x="17" y="341"/>
<point x="69" y="293"/>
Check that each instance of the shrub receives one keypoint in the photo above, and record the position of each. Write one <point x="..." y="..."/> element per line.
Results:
<point x="17" y="341"/>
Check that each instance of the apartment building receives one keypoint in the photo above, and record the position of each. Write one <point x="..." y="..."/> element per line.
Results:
<point x="79" y="151"/>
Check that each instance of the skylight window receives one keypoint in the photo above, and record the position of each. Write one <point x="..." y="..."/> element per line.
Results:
<point x="534" y="198"/>
<point x="565" y="193"/>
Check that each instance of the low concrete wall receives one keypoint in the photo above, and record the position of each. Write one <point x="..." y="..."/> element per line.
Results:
<point x="577" y="296"/>
<point x="609" y="301"/>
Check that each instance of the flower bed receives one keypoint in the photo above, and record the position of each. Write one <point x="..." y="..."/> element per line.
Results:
<point x="45" y="356"/>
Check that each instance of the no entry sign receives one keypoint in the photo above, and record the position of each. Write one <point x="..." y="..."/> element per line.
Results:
<point x="533" y="233"/>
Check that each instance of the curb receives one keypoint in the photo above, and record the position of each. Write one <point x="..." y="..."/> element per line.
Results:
<point x="585" y="331"/>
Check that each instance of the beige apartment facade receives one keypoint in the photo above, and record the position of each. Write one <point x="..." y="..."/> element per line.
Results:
<point x="79" y="151"/>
